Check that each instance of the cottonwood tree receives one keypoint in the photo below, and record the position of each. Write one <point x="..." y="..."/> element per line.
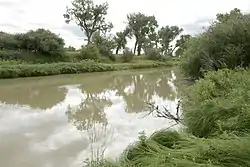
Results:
<point x="167" y="35"/>
<point x="88" y="16"/>
<point x="121" y="39"/>
<point x="141" y="26"/>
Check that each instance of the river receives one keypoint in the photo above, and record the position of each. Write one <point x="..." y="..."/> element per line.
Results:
<point x="58" y="121"/>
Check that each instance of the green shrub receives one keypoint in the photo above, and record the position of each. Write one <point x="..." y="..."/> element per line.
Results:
<point x="128" y="55"/>
<point x="10" y="55"/>
<point x="153" y="54"/>
<point x="219" y="103"/>
<point x="73" y="56"/>
<point x="225" y="43"/>
<point x="90" y="52"/>
<point x="31" y="57"/>
<point x="112" y="57"/>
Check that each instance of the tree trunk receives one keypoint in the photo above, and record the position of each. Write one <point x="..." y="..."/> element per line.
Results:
<point x="117" y="50"/>
<point x="89" y="40"/>
<point x="136" y="42"/>
<point x="139" y="49"/>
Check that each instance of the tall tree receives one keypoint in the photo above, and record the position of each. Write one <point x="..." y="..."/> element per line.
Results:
<point x="141" y="26"/>
<point x="167" y="35"/>
<point x="120" y="39"/>
<point x="88" y="16"/>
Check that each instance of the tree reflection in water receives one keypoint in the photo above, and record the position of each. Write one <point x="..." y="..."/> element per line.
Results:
<point x="89" y="112"/>
<point x="136" y="89"/>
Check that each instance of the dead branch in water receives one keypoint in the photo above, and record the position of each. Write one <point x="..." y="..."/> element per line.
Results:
<point x="156" y="112"/>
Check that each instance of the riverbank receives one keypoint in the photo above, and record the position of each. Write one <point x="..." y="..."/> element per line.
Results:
<point x="33" y="70"/>
<point x="216" y="128"/>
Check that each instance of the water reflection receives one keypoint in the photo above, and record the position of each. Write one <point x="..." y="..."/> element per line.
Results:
<point x="52" y="121"/>
<point x="135" y="90"/>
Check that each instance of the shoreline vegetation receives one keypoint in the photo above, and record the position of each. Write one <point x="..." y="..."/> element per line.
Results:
<point x="215" y="121"/>
<point x="33" y="70"/>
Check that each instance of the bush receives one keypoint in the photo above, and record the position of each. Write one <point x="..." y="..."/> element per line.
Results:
<point x="10" y="55"/>
<point x="128" y="55"/>
<point x="40" y="41"/>
<point x="219" y="103"/>
<point x="153" y="54"/>
<point x="112" y="57"/>
<point x="90" y="52"/>
<point x="225" y="43"/>
<point x="31" y="57"/>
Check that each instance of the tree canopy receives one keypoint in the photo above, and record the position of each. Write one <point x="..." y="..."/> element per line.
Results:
<point x="166" y="35"/>
<point x="40" y="40"/>
<point x="141" y="26"/>
<point x="88" y="16"/>
<point x="224" y="44"/>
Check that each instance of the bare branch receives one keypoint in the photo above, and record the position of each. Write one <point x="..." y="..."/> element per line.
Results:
<point x="156" y="112"/>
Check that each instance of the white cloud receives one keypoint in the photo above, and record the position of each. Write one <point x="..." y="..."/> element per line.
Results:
<point x="22" y="15"/>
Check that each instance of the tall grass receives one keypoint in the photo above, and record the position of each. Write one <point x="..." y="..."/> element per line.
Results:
<point x="219" y="103"/>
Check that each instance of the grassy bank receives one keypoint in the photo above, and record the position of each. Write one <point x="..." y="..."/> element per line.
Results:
<point x="216" y="129"/>
<point x="32" y="70"/>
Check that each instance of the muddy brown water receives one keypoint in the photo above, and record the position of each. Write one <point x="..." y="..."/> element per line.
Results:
<point x="59" y="121"/>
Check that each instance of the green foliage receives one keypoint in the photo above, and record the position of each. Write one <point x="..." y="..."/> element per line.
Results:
<point x="105" y="44"/>
<point x="188" y="151"/>
<point x="219" y="103"/>
<point x="120" y="40"/>
<point x="32" y="70"/>
<point x="31" y="57"/>
<point x="88" y="16"/>
<point x="8" y="41"/>
<point x="153" y="54"/>
<point x="90" y="52"/>
<point x="167" y="35"/>
<point x="182" y="44"/>
<point x="39" y="41"/>
<point x="141" y="26"/>
<point x="225" y="43"/>
<point x="128" y="55"/>
<point x="70" y="49"/>
<point x="191" y="61"/>
<point x="11" y="62"/>
<point x="43" y="41"/>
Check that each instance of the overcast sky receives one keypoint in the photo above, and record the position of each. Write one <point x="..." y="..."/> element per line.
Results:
<point x="23" y="15"/>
